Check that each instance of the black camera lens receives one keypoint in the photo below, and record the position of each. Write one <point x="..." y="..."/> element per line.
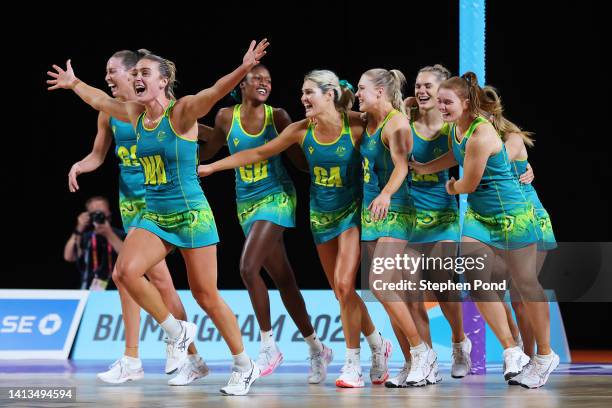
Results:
<point x="98" y="217"/>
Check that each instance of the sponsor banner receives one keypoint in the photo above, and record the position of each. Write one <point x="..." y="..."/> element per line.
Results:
<point x="101" y="335"/>
<point x="39" y="324"/>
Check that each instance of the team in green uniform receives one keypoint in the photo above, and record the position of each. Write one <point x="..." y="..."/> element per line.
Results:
<point x="177" y="210"/>
<point x="264" y="191"/>
<point x="437" y="213"/>
<point x="498" y="212"/>
<point x="131" y="178"/>
<point x="377" y="169"/>
<point x="335" y="189"/>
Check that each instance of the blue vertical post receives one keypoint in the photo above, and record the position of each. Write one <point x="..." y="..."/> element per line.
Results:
<point x="472" y="58"/>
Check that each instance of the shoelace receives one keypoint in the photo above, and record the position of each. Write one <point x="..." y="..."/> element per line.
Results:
<point x="187" y="368"/>
<point x="418" y="360"/>
<point x="122" y="367"/>
<point x="540" y="370"/>
<point x="114" y="364"/>
<point x="169" y="345"/>
<point x="235" y="378"/>
<point x="377" y="358"/>
<point x="458" y="355"/>
<point x="265" y="355"/>
<point x="348" y="366"/>
<point x="316" y="361"/>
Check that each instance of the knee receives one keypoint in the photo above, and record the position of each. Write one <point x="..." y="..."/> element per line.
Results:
<point x="344" y="290"/>
<point x="209" y="300"/>
<point x="249" y="272"/>
<point x="127" y="269"/>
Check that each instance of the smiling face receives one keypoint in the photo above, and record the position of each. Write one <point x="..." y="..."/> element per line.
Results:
<point x="451" y="105"/>
<point x="367" y="94"/>
<point x="148" y="82"/>
<point x="426" y="90"/>
<point x="118" y="78"/>
<point x="314" y="100"/>
<point x="257" y="85"/>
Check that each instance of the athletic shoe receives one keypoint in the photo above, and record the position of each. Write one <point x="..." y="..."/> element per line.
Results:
<point x="176" y="349"/>
<point x="192" y="369"/>
<point x="537" y="371"/>
<point x="379" y="372"/>
<point x="240" y="382"/>
<point x="120" y="372"/>
<point x="514" y="361"/>
<point x="516" y="380"/>
<point x="462" y="363"/>
<point x="351" y="376"/>
<point x="421" y="366"/>
<point x="318" y="365"/>
<point x="399" y="381"/>
<point x="269" y="359"/>
<point x="434" y="376"/>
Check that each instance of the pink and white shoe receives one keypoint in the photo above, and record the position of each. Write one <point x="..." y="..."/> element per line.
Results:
<point x="269" y="359"/>
<point x="318" y="365"/>
<point x="379" y="372"/>
<point x="351" y="376"/>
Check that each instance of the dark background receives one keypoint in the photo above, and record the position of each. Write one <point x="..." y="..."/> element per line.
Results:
<point x="546" y="62"/>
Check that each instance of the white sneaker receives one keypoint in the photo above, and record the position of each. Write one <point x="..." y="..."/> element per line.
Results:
<point x="421" y="367"/>
<point x="516" y="380"/>
<point x="192" y="369"/>
<point x="514" y="361"/>
<point x="269" y="359"/>
<point x="240" y="382"/>
<point x="434" y="376"/>
<point x="537" y="371"/>
<point x="399" y="381"/>
<point x="351" y="376"/>
<point x="379" y="372"/>
<point x="176" y="349"/>
<point x="462" y="363"/>
<point x="318" y="365"/>
<point x="120" y="372"/>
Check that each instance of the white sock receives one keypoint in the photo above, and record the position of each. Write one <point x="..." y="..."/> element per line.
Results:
<point x="354" y="356"/>
<point x="172" y="327"/>
<point x="242" y="362"/>
<point x="133" y="362"/>
<point x="314" y="343"/>
<point x="194" y="357"/>
<point x="420" y="348"/>
<point x="267" y="338"/>
<point x="545" y="357"/>
<point x="374" y="340"/>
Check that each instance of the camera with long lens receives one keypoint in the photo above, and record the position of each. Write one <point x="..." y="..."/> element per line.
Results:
<point x="97" y="217"/>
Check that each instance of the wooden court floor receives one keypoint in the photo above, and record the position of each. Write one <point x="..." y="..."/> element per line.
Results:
<point x="570" y="387"/>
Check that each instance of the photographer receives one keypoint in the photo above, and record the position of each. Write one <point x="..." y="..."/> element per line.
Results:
<point x="94" y="244"/>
